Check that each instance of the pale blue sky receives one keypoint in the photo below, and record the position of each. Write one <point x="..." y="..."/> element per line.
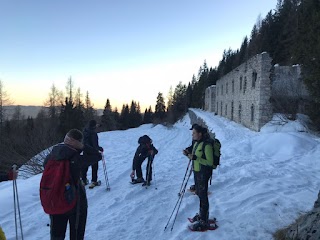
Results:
<point x="121" y="50"/>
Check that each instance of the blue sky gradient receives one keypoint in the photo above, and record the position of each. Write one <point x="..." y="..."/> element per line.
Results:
<point x="121" y="50"/>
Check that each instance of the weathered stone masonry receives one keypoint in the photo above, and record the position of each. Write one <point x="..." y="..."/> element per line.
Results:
<point x="243" y="95"/>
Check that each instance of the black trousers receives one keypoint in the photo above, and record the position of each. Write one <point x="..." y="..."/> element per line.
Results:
<point x="95" y="168"/>
<point x="201" y="180"/>
<point x="138" y="168"/>
<point x="58" y="224"/>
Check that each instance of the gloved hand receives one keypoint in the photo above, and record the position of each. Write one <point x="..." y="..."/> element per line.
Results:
<point x="185" y="152"/>
<point x="150" y="152"/>
<point x="132" y="175"/>
<point x="192" y="157"/>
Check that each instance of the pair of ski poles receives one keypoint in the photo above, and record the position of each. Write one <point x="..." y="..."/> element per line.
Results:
<point x="105" y="173"/>
<point x="16" y="202"/>
<point x="180" y="195"/>
<point x="150" y="164"/>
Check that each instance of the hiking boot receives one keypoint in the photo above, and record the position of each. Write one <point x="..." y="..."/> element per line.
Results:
<point x="196" y="218"/>
<point x="193" y="188"/>
<point x="94" y="184"/>
<point x="199" y="226"/>
<point x="85" y="182"/>
<point x="138" y="180"/>
<point x="147" y="183"/>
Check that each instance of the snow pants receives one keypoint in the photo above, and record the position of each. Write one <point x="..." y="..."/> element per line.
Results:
<point x="201" y="179"/>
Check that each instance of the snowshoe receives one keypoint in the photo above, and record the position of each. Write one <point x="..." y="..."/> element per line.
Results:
<point x="197" y="218"/>
<point x="138" y="180"/>
<point x="201" y="226"/>
<point x="94" y="184"/>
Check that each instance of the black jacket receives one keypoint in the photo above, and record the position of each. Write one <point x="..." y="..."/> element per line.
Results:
<point x="142" y="152"/>
<point x="90" y="138"/>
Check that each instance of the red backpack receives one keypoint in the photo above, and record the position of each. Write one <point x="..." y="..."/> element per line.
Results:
<point x="57" y="189"/>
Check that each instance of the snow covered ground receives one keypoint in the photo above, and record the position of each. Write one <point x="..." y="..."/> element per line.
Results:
<point x="266" y="179"/>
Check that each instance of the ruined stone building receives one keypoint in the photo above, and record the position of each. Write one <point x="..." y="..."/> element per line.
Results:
<point x="247" y="94"/>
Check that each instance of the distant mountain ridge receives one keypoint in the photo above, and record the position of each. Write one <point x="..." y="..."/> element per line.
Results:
<point x="30" y="111"/>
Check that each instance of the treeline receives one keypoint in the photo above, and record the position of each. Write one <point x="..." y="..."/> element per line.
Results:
<point x="22" y="138"/>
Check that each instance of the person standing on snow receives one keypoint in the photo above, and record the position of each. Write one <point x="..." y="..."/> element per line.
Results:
<point x="144" y="150"/>
<point x="77" y="217"/>
<point x="202" y="166"/>
<point x="90" y="138"/>
<point x="187" y="151"/>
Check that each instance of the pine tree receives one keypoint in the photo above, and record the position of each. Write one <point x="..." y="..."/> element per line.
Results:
<point x="89" y="112"/>
<point x="124" y="117"/>
<point x="160" y="108"/>
<point x="108" y="119"/>
<point x="179" y="101"/>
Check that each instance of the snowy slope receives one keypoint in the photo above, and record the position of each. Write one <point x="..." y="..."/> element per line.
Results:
<point x="264" y="182"/>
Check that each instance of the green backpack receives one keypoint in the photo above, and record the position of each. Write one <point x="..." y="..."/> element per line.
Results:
<point x="215" y="143"/>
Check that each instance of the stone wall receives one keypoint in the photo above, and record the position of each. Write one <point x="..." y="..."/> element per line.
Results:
<point x="210" y="98"/>
<point x="243" y="94"/>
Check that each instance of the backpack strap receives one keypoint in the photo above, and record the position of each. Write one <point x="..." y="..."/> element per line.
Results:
<point x="204" y="155"/>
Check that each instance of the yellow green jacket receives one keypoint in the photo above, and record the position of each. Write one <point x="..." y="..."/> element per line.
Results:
<point x="207" y="161"/>
<point x="2" y="236"/>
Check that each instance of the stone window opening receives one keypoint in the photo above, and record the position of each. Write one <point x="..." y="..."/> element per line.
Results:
<point x="254" y="79"/>
<point x="232" y="110"/>
<point x="232" y="86"/>
<point x="245" y="85"/>
<point x="221" y="108"/>
<point x="239" y="112"/>
<point x="240" y="83"/>
<point x="226" y="88"/>
<point x="226" y="110"/>
<point x="252" y="113"/>
<point x="217" y="108"/>
<point x="221" y="90"/>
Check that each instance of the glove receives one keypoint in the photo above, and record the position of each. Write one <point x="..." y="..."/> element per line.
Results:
<point x="132" y="175"/>
<point x="192" y="157"/>
<point x="185" y="152"/>
<point x="150" y="152"/>
<point x="100" y="149"/>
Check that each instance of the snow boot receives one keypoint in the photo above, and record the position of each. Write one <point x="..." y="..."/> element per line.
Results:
<point x="138" y="180"/>
<point x="195" y="218"/>
<point x="94" y="184"/>
<point x="146" y="183"/>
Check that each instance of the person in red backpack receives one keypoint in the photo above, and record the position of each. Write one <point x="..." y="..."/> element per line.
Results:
<point x="70" y="150"/>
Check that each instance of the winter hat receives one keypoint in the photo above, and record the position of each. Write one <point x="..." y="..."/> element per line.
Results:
<point x="74" y="138"/>
<point x="92" y="123"/>
<point x="200" y="129"/>
<point x="193" y="126"/>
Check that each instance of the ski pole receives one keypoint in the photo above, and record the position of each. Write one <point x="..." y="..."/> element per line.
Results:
<point x="150" y="161"/>
<point x="16" y="202"/>
<point x="184" y="178"/>
<point x="154" y="176"/>
<point x="183" y="192"/>
<point x="105" y="173"/>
